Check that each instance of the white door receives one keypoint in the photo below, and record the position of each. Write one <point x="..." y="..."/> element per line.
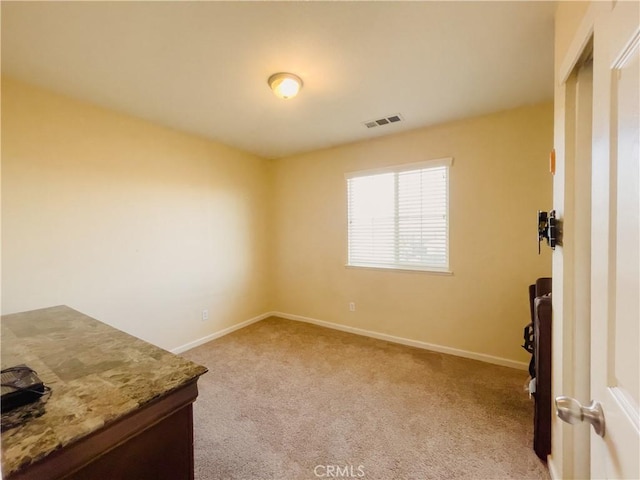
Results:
<point x="615" y="245"/>
<point x="615" y="372"/>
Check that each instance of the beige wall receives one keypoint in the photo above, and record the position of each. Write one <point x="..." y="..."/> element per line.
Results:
<point x="143" y="227"/>
<point x="137" y="225"/>
<point x="499" y="180"/>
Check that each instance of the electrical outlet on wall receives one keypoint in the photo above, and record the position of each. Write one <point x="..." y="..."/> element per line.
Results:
<point x="205" y="315"/>
<point x="352" y="306"/>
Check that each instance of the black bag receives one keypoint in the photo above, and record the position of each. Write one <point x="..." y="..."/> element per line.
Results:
<point x="529" y="346"/>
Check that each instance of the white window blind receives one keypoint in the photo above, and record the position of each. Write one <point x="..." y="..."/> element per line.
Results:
<point x="398" y="218"/>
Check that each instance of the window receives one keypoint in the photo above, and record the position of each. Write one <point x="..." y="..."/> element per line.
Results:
<point x="399" y="217"/>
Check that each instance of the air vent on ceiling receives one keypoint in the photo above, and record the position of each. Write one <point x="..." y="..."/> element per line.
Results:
<point x="383" y="121"/>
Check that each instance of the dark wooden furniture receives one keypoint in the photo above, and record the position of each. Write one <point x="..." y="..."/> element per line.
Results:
<point x="120" y="408"/>
<point x="540" y="301"/>
<point x="154" y="443"/>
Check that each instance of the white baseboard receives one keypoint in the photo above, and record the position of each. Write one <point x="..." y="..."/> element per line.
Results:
<point x="553" y="471"/>
<point x="505" y="362"/>
<point x="220" y="333"/>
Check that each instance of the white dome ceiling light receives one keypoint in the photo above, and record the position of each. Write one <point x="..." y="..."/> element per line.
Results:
<point x="285" y="85"/>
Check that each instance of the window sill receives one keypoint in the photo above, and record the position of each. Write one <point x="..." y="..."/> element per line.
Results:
<point x="428" y="271"/>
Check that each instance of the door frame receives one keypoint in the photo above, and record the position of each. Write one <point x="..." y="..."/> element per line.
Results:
<point x="574" y="32"/>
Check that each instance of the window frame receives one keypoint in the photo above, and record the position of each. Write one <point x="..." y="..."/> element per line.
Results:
<point x="439" y="162"/>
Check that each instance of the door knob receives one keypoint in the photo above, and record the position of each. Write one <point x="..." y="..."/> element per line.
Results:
<point x="571" y="411"/>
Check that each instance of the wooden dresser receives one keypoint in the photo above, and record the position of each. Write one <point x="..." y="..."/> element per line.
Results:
<point x="119" y="407"/>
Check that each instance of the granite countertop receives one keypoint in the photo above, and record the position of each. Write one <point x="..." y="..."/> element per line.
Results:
<point x="97" y="375"/>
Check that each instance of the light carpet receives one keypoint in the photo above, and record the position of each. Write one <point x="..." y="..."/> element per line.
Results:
<point x="289" y="400"/>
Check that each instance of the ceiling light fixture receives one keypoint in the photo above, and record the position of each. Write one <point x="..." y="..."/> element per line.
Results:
<point x="285" y="85"/>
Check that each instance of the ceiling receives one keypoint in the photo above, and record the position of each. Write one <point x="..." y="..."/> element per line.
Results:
<point x="202" y="67"/>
